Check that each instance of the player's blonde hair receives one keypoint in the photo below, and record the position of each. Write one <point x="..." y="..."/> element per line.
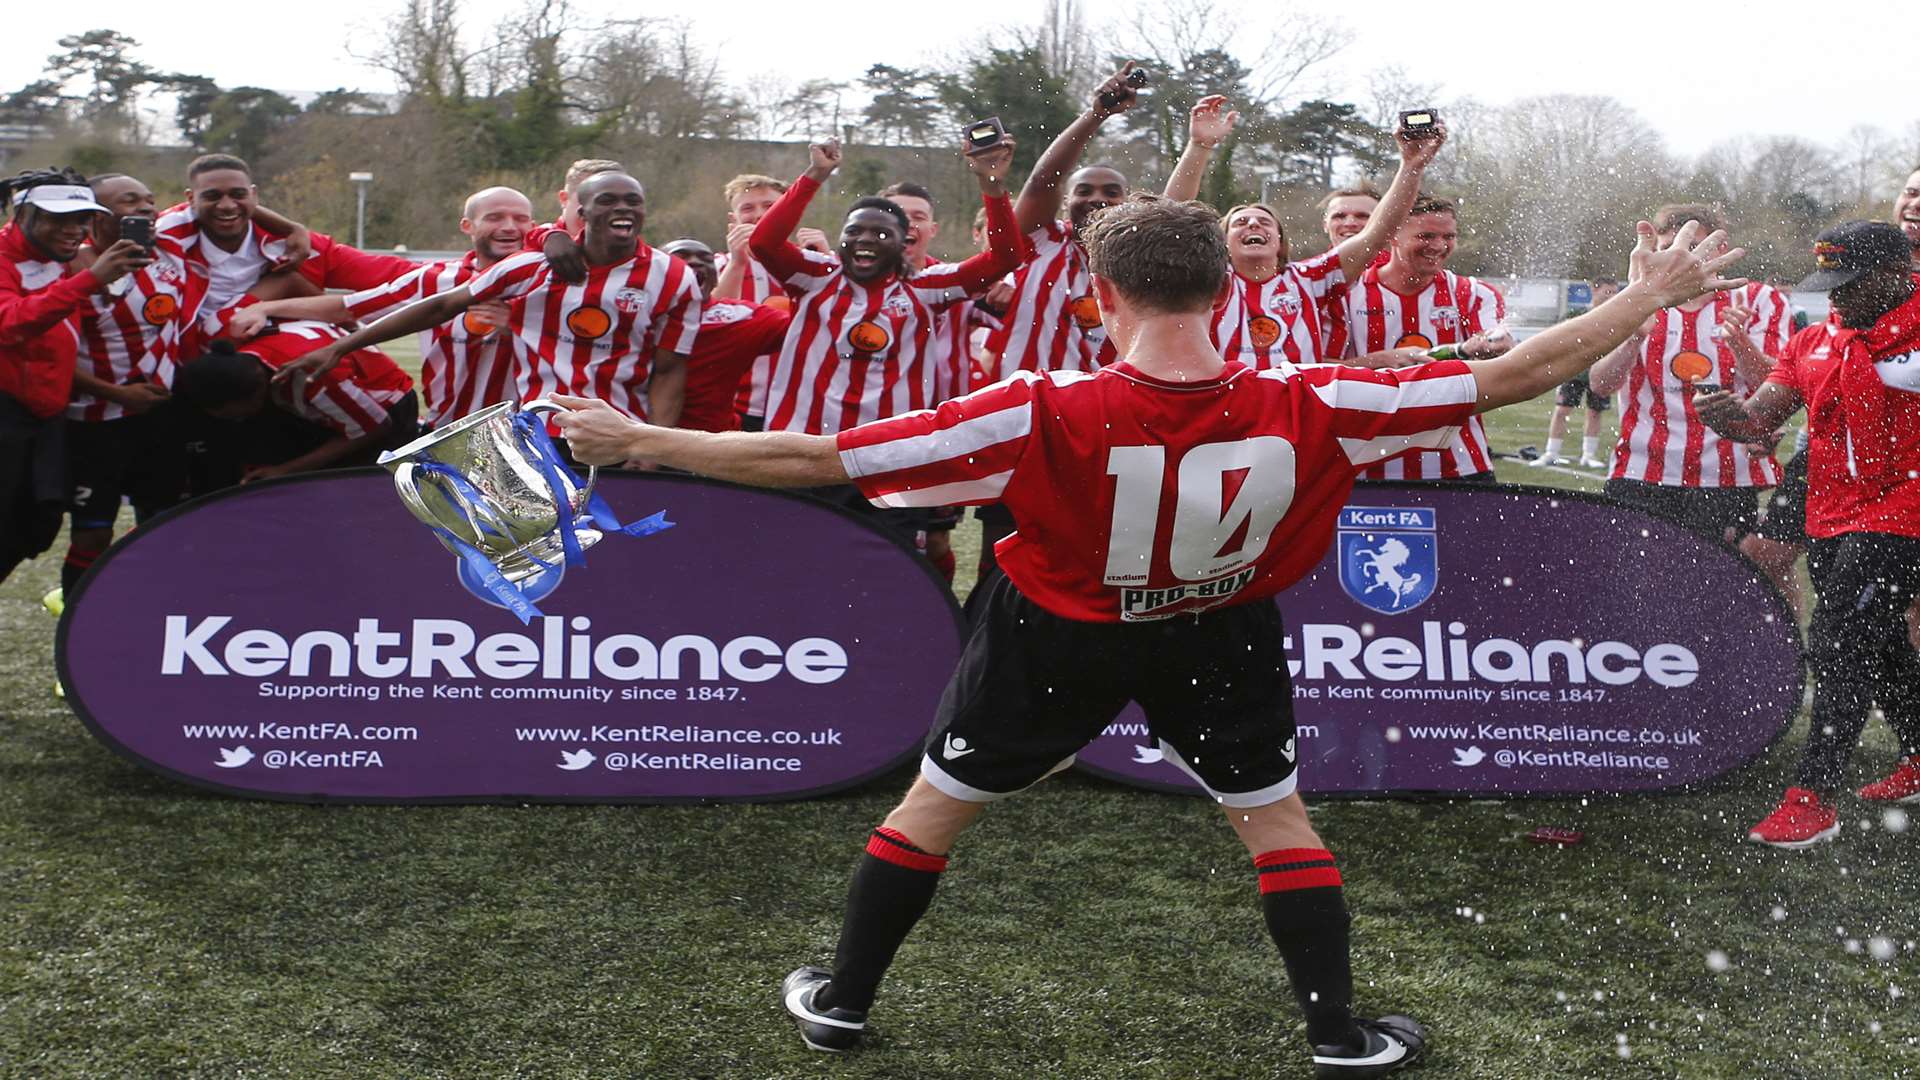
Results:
<point x="746" y="182"/>
<point x="586" y="167"/>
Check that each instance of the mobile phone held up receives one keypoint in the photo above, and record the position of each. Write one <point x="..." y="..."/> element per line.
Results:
<point x="984" y="135"/>
<point x="137" y="229"/>
<point x="1138" y="78"/>
<point x="1415" y="123"/>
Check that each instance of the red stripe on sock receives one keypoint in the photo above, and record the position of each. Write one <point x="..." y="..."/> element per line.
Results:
<point x="1298" y="877"/>
<point x="82" y="559"/>
<point x="901" y="851"/>
<point x="1292" y="854"/>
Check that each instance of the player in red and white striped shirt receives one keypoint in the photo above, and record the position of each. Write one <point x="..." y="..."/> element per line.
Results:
<point x="1053" y="322"/>
<point x="749" y="196"/>
<point x="622" y="335"/>
<point x="1200" y="489"/>
<point x="859" y="345"/>
<point x="466" y="363"/>
<point x="1415" y="302"/>
<point x="1667" y="461"/>
<point x="1272" y="310"/>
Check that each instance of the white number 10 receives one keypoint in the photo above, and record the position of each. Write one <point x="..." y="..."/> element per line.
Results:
<point x="1203" y="518"/>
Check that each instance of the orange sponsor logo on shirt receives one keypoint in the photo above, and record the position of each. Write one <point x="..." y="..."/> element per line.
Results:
<point x="868" y="336"/>
<point x="1690" y="366"/>
<point x="1085" y="311"/>
<point x="1264" y="330"/>
<point x="479" y="325"/>
<point x="588" y="322"/>
<point x="1413" y="341"/>
<point x="777" y="303"/>
<point x="159" y="308"/>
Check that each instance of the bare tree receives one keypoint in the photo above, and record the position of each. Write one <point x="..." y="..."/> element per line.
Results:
<point x="420" y="47"/>
<point x="1864" y="150"/>
<point x="1167" y="34"/>
<point x="658" y="80"/>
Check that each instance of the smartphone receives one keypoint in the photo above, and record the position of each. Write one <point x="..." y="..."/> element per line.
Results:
<point x="985" y="134"/>
<point x="1137" y="78"/>
<point x="1419" y="121"/>
<point x="137" y="229"/>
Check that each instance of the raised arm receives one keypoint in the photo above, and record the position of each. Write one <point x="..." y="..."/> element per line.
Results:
<point x="1039" y="200"/>
<point x="1416" y="153"/>
<point x="1735" y="323"/>
<point x="598" y="435"/>
<point x="1661" y="278"/>
<point x="1002" y="256"/>
<point x="770" y="243"/>
<point x="1208" y="125"/>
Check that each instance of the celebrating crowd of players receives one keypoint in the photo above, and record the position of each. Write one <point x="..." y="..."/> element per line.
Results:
<point x="149" y="356"/>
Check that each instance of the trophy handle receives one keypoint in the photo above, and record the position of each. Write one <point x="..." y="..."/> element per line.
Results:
<point x="409" y="489"/>
<point x="593" y="471"/>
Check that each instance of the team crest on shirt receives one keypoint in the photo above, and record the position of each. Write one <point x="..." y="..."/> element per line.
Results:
<point x="629" y="301"/>
<point x="164" y="273"/>
<point x="1263" y="330"/>
<point x="1690" y="366"/>
<point x="159" y="309"/>
<point x="1414" y="341"/>
<point x="1389" y="556"/>
<point x="869" y="336"/>
<point x="897" y="305"/>
<point x="1446" y="316"/>
<point x="588" y="322"/>
<point x="722" y="314"/>
<point x="1289" y="305"/>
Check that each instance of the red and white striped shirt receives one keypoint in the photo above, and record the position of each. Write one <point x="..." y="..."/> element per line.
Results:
<point x="1053" y="323"/>
<point x="1262" y="323"/>
<point x="466" y="364"/>
<point x="130" y="332"/>
<point x="352" y="398"/>
<point x="757" y="286"/>
<point x="1662" y="440"/>
<point x="595" y="339"/>
<point x="862" y="351"/>
<point x="1450" y="309"/>
<point x="1186" y="496"/>
<point x="733" y="333"/>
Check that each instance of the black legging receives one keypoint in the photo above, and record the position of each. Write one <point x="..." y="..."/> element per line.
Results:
<point x="1858" y="649"/>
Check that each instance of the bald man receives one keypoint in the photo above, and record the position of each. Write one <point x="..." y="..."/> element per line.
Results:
<point x="466" y="363"/>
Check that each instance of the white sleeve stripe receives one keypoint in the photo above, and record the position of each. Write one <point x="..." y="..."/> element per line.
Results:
<point x="982" y="489"/>
<point x="1375" y="450"/>
<point x="1363" y="396"/>
<point x="966" y="437"/>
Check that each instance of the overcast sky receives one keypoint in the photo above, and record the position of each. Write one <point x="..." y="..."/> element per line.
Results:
<point x="1698" y="73"/>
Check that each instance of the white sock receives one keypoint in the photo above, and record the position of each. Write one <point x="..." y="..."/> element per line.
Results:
<point x="1590" y="447"/>
<point x="1553" y="448"/>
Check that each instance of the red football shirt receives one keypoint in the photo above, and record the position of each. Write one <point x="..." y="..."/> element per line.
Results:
<point x="354" y="397"/>
<point x="1137" y="499"/>
<point x="1264" y="323"/>
<point x="733" y="333"/>
<point x="466" y="363"/>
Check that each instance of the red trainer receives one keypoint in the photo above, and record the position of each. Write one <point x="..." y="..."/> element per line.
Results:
<point x="1801" y="821"/>
<point x="1903" y="785"/>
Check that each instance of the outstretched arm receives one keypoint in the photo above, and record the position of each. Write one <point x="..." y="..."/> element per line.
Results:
<point x="1662" y="278"/>
<point x="1208" y="125"/>
<point x="1416" y="153"/>
<point x="1039" y="200"/>
<point x="598" y="435"/>
<point x="1757" y="418"/>
<point x="411" y="319"/>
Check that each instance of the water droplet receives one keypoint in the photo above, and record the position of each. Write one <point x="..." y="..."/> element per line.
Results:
<point x="1881" y="948"/>
<point x="1717" y="961"/>
<point x="1393" y="734"/>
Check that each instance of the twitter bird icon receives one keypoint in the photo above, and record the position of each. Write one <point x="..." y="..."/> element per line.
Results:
<point x="1148" y="755"/>
<point x="1469" y="757"/>
<point x="575" y="760"/>
<point x="233" y="759"/>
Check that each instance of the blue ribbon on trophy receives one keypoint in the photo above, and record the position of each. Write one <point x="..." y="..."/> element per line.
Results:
<point x="495" y="491"/>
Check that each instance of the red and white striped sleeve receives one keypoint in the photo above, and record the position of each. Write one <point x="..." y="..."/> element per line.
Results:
<point x="345" y="406"/>
<point x="515" y="275"/>
<point x="1376" y="414"/>
<point x="1489" y="306"/>
<point x="962" y="453"/>
<point x="683" y="309"/>
<point x="1773" y="317"/>
<point x="370" y="304"/>
<point x="1321" y="274"/>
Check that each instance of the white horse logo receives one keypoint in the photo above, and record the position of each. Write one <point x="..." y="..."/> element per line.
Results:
<point x="1382" y="568"/>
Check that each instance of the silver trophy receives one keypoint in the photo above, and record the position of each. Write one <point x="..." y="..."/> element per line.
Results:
<point x="492" y="484"/>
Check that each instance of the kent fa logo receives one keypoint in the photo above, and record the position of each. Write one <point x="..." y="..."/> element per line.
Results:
<point x="1389" y="556"/>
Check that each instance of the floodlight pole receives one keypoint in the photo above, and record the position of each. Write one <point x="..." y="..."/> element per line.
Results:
<point x="360" y="182"/>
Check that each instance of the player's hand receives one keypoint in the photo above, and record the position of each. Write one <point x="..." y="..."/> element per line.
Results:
<point x="990" y="167"/>
<point x="314" y="364"/>
<point x="493" y="313"/>
<point x="256" y="473"/>
<point x="823" y="158"/>
<point x="737" y="237"/>
<point x="1486" y="346"/>
<point x="123" y="258"/>
<point x="1688" y="267"/>
<point x="595" y="432"/>
<point x="1395" y="358"/>
<point x="137" y="398"/>
<point x="1721" y="411"/>
<point x="1767" y="444"/>
<point x="565" y="255"/>
<point x="246" y="323"/>
<point x="812" y="240"/>
<point x="299" y="249"/>
<point x="1114" y="95"/>
<point x="1736" y="318"/>
<point x="999" y="297"/>
<point x="1418" y="151"/>
<point x="1210" y="121"/>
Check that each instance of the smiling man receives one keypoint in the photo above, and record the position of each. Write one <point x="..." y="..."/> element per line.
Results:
<point x="621" y="336"/>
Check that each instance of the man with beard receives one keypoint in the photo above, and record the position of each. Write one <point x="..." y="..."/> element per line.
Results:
<point x="1862" y="397"/>
<point x="860" y="345"/>
<point x="733" y="333"/>
<point x="466" y="363"/>
<point x="1271" y="312"/>
<point x="622" y="335"/>
<point x="40" y="292"/>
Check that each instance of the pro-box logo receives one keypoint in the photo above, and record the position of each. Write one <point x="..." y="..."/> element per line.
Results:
<point x="1389" y="556"/>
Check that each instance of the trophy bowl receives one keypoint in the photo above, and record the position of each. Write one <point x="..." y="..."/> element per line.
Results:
<point x="482" y="481"/>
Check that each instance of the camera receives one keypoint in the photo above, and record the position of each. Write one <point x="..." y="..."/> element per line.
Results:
<point x="1418" y="122"/>
<point x="985" y="134"/>
<point x="137" y="229"/>
<point x="1137" y="78"/>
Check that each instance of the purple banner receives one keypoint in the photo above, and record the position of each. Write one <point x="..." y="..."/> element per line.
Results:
<point x="1477" y="640"/>
<point x="306" y="639"/>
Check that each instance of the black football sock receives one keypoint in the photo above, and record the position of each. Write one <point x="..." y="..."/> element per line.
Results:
<point x="891" y="889"/>
<point x="1306" y="913"/>
<point x="76" y="564"/>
